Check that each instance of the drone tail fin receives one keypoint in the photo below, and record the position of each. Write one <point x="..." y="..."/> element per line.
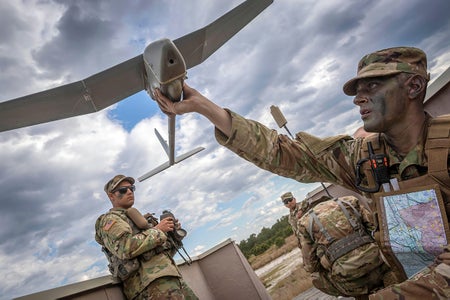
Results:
<point x="167" y="164"/>
<point x="169" y="151"/>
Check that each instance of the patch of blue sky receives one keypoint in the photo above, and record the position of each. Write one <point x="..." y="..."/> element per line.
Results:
<point x="134" y="109"/>
<point x="47" y="253"/>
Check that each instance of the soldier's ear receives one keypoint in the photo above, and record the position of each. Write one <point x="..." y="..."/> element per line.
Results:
<point x="416" y="86"/>
<point x="111" y="197"/>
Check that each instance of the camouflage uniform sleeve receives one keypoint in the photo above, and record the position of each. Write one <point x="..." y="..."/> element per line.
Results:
<point x="305" y="159"/>
<point x="367" y="217"/>
<point x="116" y="235"/>
<point x="310" y="259"/>
<point x="293" y="221"/>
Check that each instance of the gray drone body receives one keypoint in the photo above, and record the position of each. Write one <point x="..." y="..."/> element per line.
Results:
<point x="165" y="69"/>
<point x="163" y="65"/>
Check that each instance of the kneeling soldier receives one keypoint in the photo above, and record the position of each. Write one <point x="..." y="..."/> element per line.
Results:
<point x="338" y="248"/>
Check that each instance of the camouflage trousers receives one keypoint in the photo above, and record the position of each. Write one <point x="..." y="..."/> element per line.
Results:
<point x="359" y="288"/>
<point x="167" y="288"/>
<point x="431" y="283"/>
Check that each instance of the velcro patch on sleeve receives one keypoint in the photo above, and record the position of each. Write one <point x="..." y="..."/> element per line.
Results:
<point x="108" y="225"/>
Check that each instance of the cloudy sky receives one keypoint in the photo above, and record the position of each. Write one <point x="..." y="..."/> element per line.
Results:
<point x="297" y="54"/>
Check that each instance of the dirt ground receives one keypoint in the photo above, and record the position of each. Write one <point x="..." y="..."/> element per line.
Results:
<point x="281" y="271"/>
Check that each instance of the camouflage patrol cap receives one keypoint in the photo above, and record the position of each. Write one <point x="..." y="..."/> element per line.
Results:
<point x="389" y="62"/>
<point x="287" y="195"/>
<point x="115" y="181"/>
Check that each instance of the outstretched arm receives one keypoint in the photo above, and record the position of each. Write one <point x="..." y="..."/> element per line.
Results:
<point x="193" y="101"/>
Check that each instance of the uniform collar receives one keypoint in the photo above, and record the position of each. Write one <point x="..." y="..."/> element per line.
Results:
<point x="414" y="157"/>
<point x="296" y="208"/>
<point x="118" y="209"/>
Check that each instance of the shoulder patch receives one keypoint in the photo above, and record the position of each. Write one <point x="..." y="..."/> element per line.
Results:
<point x="109" y="224"/>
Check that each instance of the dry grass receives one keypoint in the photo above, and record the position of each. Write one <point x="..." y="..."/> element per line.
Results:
<point x="295" y="283"/>
<point x="273" y="252"/>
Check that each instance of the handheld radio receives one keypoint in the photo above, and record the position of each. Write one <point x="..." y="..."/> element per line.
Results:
<point x="380" y="170"/>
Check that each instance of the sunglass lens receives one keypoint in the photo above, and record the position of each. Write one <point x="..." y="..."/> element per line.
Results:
<point x="286" y="201"/>
<point x="124" y="189"/>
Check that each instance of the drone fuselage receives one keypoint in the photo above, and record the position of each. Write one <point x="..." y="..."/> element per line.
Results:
<point x="165" y="68"/>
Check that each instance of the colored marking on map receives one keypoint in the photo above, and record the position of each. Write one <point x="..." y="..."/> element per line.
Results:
<point x="415" y="228"/>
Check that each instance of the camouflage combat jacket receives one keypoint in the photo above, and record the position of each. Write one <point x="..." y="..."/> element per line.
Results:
<point x="292" y="219"/>
<point x="335" y="239"/>
<point x="334" y="159"/>
<point x="115" y="233"/>
<point x="310" y="159"/>
<point x="336" y="226"/>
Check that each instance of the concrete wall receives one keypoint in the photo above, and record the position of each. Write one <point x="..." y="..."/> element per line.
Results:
<point x="223" y="273"/>
<point x="220" y="273"/>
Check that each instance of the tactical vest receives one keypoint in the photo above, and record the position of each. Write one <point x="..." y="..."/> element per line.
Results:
<point x="436" y="149"/>
<point x="339" y="247"/>
<point x="124" y="268"/>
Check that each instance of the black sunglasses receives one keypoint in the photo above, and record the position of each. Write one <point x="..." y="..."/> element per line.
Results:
<point x="124" y="189"/>
<point x="287" y="200"/>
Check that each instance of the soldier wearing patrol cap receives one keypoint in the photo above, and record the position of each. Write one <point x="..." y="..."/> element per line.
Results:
<point x="290" y="202"/>
<point x="141" y="258"/>
<point x="389" y="89"/>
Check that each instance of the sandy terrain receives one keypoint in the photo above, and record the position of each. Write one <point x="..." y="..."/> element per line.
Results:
<point x="280" y="267"/>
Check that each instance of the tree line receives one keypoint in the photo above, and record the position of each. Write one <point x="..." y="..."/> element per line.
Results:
<point x="258" y="243"/>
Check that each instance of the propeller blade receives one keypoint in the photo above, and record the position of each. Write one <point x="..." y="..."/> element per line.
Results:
<point x="199" y="45"/>
<point x="78" y="98"/>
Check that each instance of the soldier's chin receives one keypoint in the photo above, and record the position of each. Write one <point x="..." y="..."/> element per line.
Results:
<point x="370" y="126"/>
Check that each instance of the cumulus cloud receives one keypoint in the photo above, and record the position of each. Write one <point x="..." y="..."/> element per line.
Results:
<point x="294" y="55"/>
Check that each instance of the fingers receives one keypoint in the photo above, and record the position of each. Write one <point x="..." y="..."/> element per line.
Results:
<point x="190" y="103"/>
<point x="444" y="258"/>
<point x="164" y="103"/>
<point x="170" y="225"/>
<point x="166" y="225"/>
<point x="177" y="224"/>
<point x="187" y="91"/>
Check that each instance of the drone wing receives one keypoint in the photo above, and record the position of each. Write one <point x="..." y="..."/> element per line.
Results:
<point x="78" y="98"/>
<point x="123" y="80"/>
<point x="197" y="46"/>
